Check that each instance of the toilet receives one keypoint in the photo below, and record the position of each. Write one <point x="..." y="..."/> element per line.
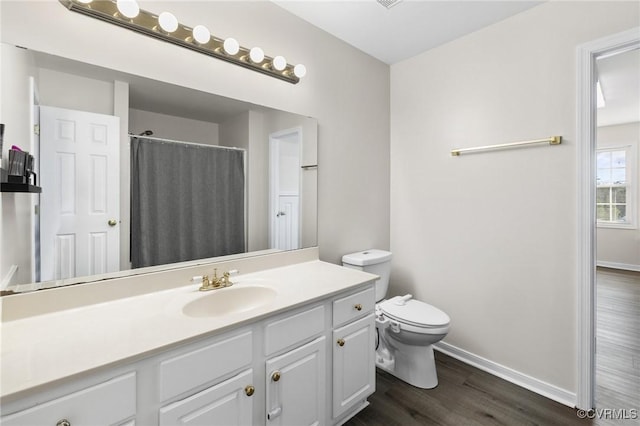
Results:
<point x="406" y="328"/>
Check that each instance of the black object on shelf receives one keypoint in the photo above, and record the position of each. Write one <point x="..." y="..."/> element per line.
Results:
<point x="20" y="187"/>
<point x="15" y="184"/>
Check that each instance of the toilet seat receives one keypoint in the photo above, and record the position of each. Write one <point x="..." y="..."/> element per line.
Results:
<point x="414" y="313"/>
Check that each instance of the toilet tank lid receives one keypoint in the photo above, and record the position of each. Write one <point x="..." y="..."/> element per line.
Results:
<point x="367" y="257"/>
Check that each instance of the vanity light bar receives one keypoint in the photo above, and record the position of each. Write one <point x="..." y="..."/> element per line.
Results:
<point x="164" y="26"/>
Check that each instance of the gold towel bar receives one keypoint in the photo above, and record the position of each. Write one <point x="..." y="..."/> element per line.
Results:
<point x="553" y="140"/>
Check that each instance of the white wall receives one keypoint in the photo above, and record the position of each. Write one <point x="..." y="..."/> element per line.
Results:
<point x="490" y="238"/>
<point x="170" y="127"/>
<point x="621" y="247"/>
<point x="15" y="227"/>
<point x="346" y="90"/>
<point x="64" y="90"/>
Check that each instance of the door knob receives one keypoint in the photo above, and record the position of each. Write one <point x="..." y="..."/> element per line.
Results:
<point x="112" y="222"/>
<point x="249" y="390"/>
<point x="275" y="376"/>
<point x="281" y="214"/>
<point x="340" y="342"/>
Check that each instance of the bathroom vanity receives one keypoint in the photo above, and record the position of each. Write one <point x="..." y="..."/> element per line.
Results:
<point x="282" y="346"/>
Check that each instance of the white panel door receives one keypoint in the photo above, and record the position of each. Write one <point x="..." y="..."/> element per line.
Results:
<point x="79" y="175"/>
<point x="284" y="189"/>
<point x="296" y="386"/>
<point x="287" y="222"/>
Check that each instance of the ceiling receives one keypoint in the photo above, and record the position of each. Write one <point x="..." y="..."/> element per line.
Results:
<point x="619" y="77"/>
<point x="406" y="29"/>
<point x="411" y="27"/>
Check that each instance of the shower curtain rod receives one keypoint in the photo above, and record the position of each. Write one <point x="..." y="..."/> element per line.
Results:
<point x="131" y="135"/>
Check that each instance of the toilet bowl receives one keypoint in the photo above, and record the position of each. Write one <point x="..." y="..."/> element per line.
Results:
<point x="406" y="329"/>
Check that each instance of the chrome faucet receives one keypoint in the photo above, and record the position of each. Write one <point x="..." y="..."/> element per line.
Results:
<point x="215" y="282"/>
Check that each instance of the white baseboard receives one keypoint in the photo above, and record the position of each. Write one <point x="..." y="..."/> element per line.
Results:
<point x="538" y="386"/>
<point x="616" y="265"/>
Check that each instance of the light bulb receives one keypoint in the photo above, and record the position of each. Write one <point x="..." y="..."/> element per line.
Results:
<point x="84" y="1"/>
<point x="300" y="70"/>
<point x="168" y="22"/>
<point x="279" y="63"/>
<point x="128" y="8"/>
<point x="256" y="55"/>
<point x="231" y="46"/>
<point x="201" y="34"/>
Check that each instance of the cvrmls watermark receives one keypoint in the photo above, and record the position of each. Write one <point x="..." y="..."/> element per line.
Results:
<point x="609" y="414"/>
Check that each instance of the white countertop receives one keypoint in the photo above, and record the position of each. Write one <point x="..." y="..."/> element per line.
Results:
<point x="43" y="349"/>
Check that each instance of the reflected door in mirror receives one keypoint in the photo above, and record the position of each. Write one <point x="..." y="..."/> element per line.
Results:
<point x="285" y="149"/>
<point x="79" y="232"/>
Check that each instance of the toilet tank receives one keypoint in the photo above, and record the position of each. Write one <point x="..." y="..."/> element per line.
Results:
<point x="375" y="262"/>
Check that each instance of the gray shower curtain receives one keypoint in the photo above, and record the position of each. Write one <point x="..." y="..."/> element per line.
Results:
<point x="187" y="202"/>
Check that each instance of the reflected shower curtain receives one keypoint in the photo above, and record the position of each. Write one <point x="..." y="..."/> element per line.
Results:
<point x="187" y="202"/>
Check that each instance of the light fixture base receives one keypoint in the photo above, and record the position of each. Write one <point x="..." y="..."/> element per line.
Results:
<point x="147" y="23"/>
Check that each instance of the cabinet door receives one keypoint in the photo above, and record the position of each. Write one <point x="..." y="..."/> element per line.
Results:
<point x="296" y="386"/>
<point x="354" y="369"/>
<point x="225" y="404"/>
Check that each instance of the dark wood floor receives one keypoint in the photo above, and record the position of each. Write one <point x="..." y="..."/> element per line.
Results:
<point x="618" y="341"/>
<point x="464" y="396"/>
<point x="468" y="396"/>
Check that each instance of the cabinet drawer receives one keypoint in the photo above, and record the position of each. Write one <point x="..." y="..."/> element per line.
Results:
<point x="295" y="328"/>
<point x="192" y="369"/>
<point x="111" y="402"/>
<point x="353" y="306"/>
<point x="224" y="404"/>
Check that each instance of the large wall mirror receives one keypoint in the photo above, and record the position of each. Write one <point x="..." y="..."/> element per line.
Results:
<point x="270" y="201"/>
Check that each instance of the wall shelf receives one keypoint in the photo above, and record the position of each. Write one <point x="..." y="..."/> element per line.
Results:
<point x="20" y="187"/>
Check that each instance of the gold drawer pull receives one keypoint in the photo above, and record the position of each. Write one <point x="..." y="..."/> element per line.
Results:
<point x="358" y="307"/>
<point x="249" y="390"/>
<point x="275" y="376"/>
<point x="340" y="342"/>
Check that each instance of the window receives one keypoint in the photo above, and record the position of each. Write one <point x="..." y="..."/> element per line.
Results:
<point x="614" y="192"/>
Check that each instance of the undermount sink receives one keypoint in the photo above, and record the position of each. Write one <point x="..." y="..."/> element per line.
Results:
<point x="230" y="300"/>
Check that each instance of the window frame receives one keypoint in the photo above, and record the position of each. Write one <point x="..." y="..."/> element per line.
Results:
<point x="631" y="193"/>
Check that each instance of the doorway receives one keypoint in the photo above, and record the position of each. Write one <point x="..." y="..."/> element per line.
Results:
<point x="586" y="148"/>
<point x="285" y="150"/>
<point x="617" y="280"/>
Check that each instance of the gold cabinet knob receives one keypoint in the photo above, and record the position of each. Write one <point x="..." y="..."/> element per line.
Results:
<point x="340" y="342"/>
<point x="275" y="376"/>
<point x="249" y="390"/>
<point x="112" y="222"/>
<point x="63" y="422"/>
<point x="358" y="307"/>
